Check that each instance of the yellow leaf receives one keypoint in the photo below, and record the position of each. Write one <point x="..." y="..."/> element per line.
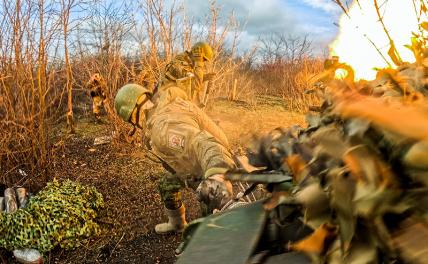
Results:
<point x="318" y="242"/>
<point x="406" y="120"/>
<point x="296" y="165"/>
<point x="423" y="7"/>
<point x="275" y="200"/>
<point x="424" y="25"/>
<point x="395" y="57"/>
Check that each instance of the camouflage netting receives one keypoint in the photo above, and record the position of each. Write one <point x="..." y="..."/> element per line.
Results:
<point x="360" y="168"/>
<point x="61" y="214"/>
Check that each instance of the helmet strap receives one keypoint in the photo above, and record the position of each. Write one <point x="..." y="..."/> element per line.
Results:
<point x="141" y="106"/>
<point x="135" y="121"/>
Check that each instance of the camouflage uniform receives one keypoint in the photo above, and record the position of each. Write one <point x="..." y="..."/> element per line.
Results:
<point x="187" y="140"/>
<point x="98" y="92"/>
<point x="186" y="73"/>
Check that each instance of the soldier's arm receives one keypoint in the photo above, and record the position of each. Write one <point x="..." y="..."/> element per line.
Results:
<point x="198" y="71"/>
<point x="178" y="68"/>
<point x="215" y="160"/>
<point x="207" y="124"/>
<point x="170" y="94"/>
<point x="212" y="156"/>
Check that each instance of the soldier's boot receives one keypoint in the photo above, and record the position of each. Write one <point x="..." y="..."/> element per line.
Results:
<point x="176" y="221"/>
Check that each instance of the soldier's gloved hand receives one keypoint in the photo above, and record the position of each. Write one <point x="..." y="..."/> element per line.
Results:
<point x="209" y="76"/>
<point x="215" y="192"/>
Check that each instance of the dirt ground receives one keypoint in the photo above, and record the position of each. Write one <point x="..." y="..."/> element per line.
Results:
<point x="128" y="178"/>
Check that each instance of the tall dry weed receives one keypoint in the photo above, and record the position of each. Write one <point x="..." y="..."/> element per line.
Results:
<point x="28" y="87"/>
<point x="49" y="49"/>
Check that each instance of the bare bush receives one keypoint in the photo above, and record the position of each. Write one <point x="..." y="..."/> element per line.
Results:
<point x="286" y="66"/>
<point x="48" y="53"/>
<point x="31" y="39"/>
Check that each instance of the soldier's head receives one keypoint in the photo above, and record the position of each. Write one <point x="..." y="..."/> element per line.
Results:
<point x="202" y="51"/>
<point x="96" y="85"/>
<point x="130" y="102"/>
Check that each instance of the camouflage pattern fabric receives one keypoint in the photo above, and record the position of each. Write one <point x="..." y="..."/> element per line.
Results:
<point x="62" y="214"/>
<point x="185" y="137"/>
<point x="97" y="105"/>
<point x="170" y="191"/>
<point x="98" y="91"/>
<point x="147" y="78"/>
<point x="211" y="195"/>
<point x="188" y="75"/>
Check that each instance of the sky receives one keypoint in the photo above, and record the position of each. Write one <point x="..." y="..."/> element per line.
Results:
<point x="314" y="18"/>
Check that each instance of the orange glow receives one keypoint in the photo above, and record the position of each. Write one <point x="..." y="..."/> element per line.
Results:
<point x="352" y="43"/>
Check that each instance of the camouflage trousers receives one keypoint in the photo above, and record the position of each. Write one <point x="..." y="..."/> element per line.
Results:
<point x="170" y="190"/>
<point x="97" y="105"/>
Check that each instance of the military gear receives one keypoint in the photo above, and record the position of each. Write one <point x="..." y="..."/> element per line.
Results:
<point x="185" y="137"/>
<point x="28" y="256"/>
<point x="170" y="191"/>
<point x="244" y="234"/>
<point x="176" y="221"/>
<point x="187" y="71"/>
<point x="202" y="50"/>
<point x="170" y="187"/>
<point x="214" y="192"/>
<point x="98" y="92"/>
<point x="182" y="136"/>
<point x="187" y="140"/>
<point x="97" y="104"/>
<point x="126" y="99"/>
<point x="61" y="214"/>
<point x="11" y="204"/>
<point x="185" y="74"/>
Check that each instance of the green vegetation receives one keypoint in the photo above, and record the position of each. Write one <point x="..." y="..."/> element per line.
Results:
<point x="61" y="214"/>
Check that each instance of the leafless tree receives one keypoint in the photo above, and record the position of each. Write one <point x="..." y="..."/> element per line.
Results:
<point x="108" y="26"/>
<point x="281" y="47"/>
<point x="286" y="61"/>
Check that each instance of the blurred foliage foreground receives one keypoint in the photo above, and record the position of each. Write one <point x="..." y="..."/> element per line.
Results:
<point x="61" y="214"/>
<point x="360" y="168"/>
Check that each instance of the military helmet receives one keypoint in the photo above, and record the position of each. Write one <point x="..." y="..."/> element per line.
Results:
<point x="126" y="99"/>
<point x="204" y="50"/>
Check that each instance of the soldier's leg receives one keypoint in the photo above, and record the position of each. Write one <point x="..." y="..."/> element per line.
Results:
<point x="170" y="191"/>
<point x="97" y="103"/>
<point x="106" y="106"/>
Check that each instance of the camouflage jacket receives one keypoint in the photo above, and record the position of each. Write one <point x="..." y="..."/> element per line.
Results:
<point x="183" y="72"/>
<point x="185" y="137"/>
<point x="97" y="86"/>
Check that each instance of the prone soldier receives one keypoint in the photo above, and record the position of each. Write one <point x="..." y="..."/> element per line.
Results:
<point x="193" y="148"/>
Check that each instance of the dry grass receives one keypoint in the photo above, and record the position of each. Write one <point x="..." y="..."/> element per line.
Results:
<point x="128" y="179"/>
<point x="242" y="121"/>
<point x="47" y="57"/>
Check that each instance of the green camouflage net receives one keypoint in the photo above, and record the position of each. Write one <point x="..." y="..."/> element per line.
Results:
<point x="61" y="214"/>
